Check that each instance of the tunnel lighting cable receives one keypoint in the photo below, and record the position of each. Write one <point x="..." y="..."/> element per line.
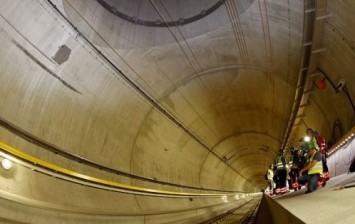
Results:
<point x="91" y="163"/>
<point x="288" y="59"/>
<point x="197" y="73"/>
<point x="154" y="62"/>
<point x="241" y="36"/>
<point x="175" y="37"/>
<point x="268" y="53"/>
<point x="238" y="32"/>
<point x="199" y="67"/>
<point x="20" y="157"/>
<point x="141" y="91"/>
<point x="236" y="28"/>
<point x="335" y="88"/>
<point x="167" y="77"/>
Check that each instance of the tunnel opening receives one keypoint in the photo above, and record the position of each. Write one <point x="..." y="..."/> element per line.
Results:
<point x="168" y="111"/>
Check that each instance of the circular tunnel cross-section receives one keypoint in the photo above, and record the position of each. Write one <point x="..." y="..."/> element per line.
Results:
<point x="131" y="11"/>
<point x="148" y="21"/>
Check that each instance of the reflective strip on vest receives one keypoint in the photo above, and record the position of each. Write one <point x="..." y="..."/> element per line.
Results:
<point x="317" y="168"/>
<point x="315" y="143"/>
<point x="280" y="165"/>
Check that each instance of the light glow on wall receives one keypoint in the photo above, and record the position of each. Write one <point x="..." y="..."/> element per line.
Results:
<point x="6" y="164"/>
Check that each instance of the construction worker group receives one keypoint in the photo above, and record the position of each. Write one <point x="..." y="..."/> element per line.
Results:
<point x="306" y="166"/>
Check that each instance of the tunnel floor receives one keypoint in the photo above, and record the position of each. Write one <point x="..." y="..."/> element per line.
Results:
<point x="332" y="204"/>
<point x="243" y="214"/>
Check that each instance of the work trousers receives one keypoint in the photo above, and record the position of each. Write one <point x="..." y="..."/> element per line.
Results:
<point x="324" y="163"/>
<point x="294" y="173"/>
<point x="271" y="184"/>
<point x="312" y="181"/>
<point x="282" y="178"/>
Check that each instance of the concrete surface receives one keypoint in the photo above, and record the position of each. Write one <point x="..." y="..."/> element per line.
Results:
<point x="334" y="202"/>
<point x="270" y="211"/>
<point x="327" y="205"/>
<point x="228" y="81"/>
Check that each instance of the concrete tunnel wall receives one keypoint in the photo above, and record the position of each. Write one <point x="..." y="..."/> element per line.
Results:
<point x="236" y="97"/>
<point x="326" y="106"/>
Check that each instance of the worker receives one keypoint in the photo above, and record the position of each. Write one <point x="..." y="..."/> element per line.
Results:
<point x="295" y="167"/>
<point x="323" y="150"/>
<point x="289" y="176"/>
<point x="270" y="176"/>
<point x="282" y="167"/>
<point x="275" y="179"/>
<point x="314" y="168"/>
<point x="310" y="140"/>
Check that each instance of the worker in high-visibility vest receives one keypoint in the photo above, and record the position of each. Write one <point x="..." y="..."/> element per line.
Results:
<point x="310" y="140"/>
<point x="323" y="150"/>
<point x="269" y="177"/>
<point x="281" y="172"/>
<point x="314" y="168"/>
<point x="295" y="165"/>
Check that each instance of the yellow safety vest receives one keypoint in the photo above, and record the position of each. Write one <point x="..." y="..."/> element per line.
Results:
<point x="312" y="144"/>
<point x="317" y="168"/>
<point x="270" y="174"/>
<point x="279" y="164"/>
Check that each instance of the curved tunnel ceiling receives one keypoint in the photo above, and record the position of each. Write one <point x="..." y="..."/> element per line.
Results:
<point x="217" y="79"/>
<point x="203" y="104"/>
<point x="154" y="14"/>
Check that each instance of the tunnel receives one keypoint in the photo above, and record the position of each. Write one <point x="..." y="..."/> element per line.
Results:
<point x="171" y="111"/>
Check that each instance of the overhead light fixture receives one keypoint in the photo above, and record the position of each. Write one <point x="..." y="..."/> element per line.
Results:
<point x="6" y="164"/>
